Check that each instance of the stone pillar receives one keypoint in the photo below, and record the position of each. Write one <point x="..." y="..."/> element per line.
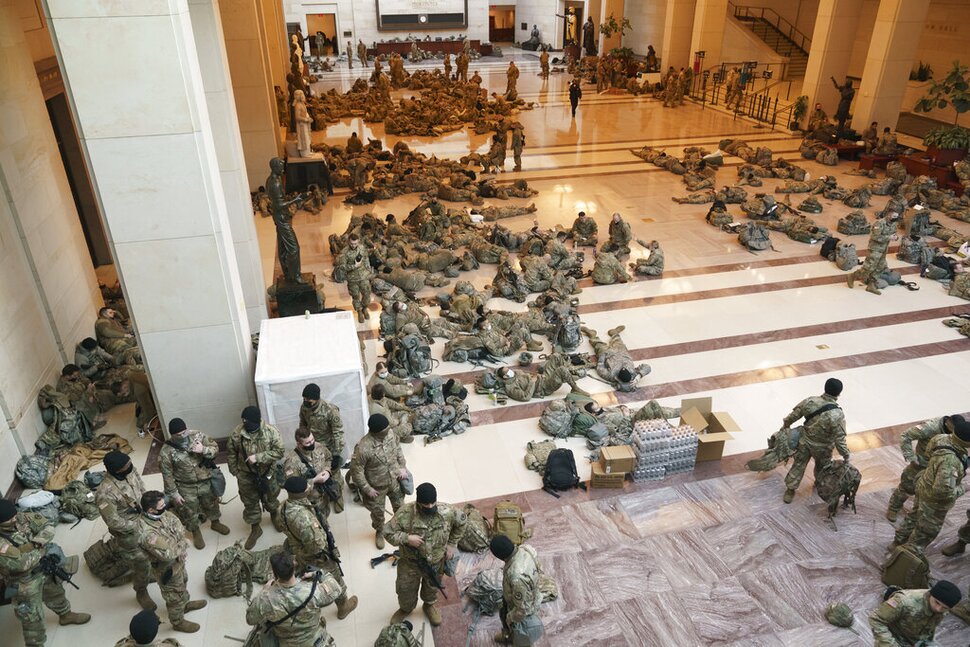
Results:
<point x="273" y="33"/>
<point x="832" y="42"/>
<point x="708" y="32"/>
<point x="219" y="94"/>
<point x="678" y="27"/>
<point x="608" y="7"/>
<point x="892" y="49"/>
<point x="132" y="73"/>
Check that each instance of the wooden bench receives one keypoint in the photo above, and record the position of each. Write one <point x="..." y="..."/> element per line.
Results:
<point x="869" y="161"/>
<point x="847" y="151"/>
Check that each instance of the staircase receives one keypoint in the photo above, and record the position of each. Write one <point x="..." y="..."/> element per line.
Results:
<point x="779" y="34"/>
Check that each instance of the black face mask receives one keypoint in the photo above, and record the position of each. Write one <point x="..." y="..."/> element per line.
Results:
<point x="180" y="441"/>
<point x="428" y="511"/>
<point x="250" y="426"/>
<point x="308" y="404"/>
<point x="309" y="448"/>
<point x="121" y="476"/>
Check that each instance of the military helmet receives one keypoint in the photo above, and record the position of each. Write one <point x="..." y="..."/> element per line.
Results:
<point x="839" y="614"/>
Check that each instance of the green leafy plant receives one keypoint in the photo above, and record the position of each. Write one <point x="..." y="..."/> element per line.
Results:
<point x="801" y="108"/>
<point x="611" y="26"/>
<point x="622" y="52"/>
<point x="923" y="73"/>
<point x="952" y="90"/>
<point x="948" y="138"/>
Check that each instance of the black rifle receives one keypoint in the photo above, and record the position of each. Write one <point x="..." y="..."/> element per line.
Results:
<point x="50" y="564"/>
<point x="328" y="488"/>
<point x="380" y="559"/>
<point x="430" y="573"/>
<point x="331" y="550"/>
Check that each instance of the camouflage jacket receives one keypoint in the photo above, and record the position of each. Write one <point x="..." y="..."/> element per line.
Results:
<point x="307" y="627"/>
<point x="394" y="386"/>
<point x="904" y="619"/>
<point x="584" y="228"/>
<point x="376" y="462"/>
<point x="319" y="460"/>
<point x="180" y="467"/>
<point x="922" y="434"/>
<point x="355" y="270"/>
<point x="520" y="584"/>
<point x="607" y="270"/>
<point x="305" y="533"/>
<point x="22" y="541"/>
<point x="521" y="386"/>
<point x="324" y="421"/>
<point x="265" y="443"/>
<point x="825" y="429"/>
<point x="92" y="362"/>
<point x="440" y="530"/>
<point x="162" y="540"/>
<point x="76" y="391"/>
<point x="161" y="642"/>
<point x="119" y="503"/>
<point x="620" y="233"/>
<point x="942" y="480"/>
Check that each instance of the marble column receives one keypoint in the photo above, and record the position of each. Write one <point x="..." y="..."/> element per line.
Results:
<point x="273" y="33"/>
<point x="892" y="50"/>
<point x="708" y="32"/>
<point x="832" y="43"/>
<point x="678" y="28"/>
<point x="207" y="27"/>
<point x="608" y="8"/>
<point x="133" y="76"/>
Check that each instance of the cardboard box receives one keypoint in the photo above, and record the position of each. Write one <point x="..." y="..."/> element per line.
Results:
<point x="713" y="428"/>
<point x="618" y="459"/>
<point x="600" y="479"/>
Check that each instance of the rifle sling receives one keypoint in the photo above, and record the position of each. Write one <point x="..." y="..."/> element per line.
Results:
<point x="821" y="410"/>
<point x="273" y="623"/>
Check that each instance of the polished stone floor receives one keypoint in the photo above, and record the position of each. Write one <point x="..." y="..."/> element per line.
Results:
<point x="708" y="558"/>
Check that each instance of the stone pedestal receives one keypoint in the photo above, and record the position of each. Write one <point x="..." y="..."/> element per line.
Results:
<point x="301" y="172"/>
<point x="294" y="299"/>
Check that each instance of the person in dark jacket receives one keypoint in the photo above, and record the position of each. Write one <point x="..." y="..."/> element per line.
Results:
<point x="575" y="94"/>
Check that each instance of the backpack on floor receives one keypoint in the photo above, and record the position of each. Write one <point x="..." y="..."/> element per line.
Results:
<point x="234" y="570"/>
<point x="32" y="471"/>
<point x="397" y="635"/>
<point x="105" y="560"/>
<point x="839" y="480"/>
<point x="560" y="473"/>
<point x="846" y="257"/>
<point x="477" y="531"/>
<point x="906" y="569"/>
<point x="557" y="419"/>
<point x="537" y="453"/>
<point x="827" y="250"/>
<point x="78" y="500"/>
<point x="411" y="357"/>
<point x="508" y="521"/>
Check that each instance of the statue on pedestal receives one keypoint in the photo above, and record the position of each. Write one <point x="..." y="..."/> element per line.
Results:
<point x="287" y="246"/>
<point x="303" y="124"/>
<point x="589" y="37"/>
<point x="569" y="27"/>
<point x="534" y="40"/>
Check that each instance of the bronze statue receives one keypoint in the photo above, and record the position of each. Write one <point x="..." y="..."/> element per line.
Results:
<point x="287" y="246"/>
<point x="589" y="37"/>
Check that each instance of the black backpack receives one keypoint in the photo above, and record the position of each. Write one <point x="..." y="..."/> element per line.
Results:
<point x="560" y="472"/>
<point x="828" y="247"/>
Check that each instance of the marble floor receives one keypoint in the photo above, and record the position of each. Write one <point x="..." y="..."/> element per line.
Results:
<point x="707" y="558"/>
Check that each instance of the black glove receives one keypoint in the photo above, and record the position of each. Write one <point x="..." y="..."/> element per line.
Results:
<point x="335" y="462"/>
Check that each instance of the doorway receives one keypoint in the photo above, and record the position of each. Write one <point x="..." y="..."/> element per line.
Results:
<point x="501" y="23"/>
<point x="325" y="24"/>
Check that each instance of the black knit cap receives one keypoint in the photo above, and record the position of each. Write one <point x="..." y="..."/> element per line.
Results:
<point x="115" y="461"/>
<point x="377" y="423"/>
<point x="426" y="493"/>
<point x="295" y="485"/>
<point x="947" y="593"/>
<point x="144" y="627"/>
<point x="311" y="391"/>
<point x="8" y="510"/>
<point x="176" y="426"/>
<point x="251" y="414"/>
<point x="624" y="375"/>
<point x="501" y="546"/>
<point x="961" y="429"/>
<point x="833" y="386"/>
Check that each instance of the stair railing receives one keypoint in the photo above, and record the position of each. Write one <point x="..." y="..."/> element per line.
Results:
<point x="769" y="15"/>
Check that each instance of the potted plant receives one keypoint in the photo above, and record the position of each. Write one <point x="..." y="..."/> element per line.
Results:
<point x="948" y="144"/>
<point x="799" y="110"/>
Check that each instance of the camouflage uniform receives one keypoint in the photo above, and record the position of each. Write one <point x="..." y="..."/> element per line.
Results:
<point x="163" y="543"/>
<point x="439" y="531"/>
<point x="112" y="337"/>
<point x="184" y="474"/>
<point x="518" y="142"/>
<point x="904" y="620"/>
<point x="118" y="503"/>
<point x="89" y="401"/>
<point x="306" y="537"/>
<point x="397" y="414"/>
<point x="612" y="357"/>
<point x="394" y="386"/>
<point x="620" y="237"/>
<point x="820" y="434"/>
<point x="607" y="270"/>
<point x="299" y="462"/>
<point x="307" y="626"/>
<point x="584" y="232"/>
<point x="257" y="482"/>
<point x="94" y="364"/>
<point x="653" y="265"/>
<point x="358" y="273"/>
<point x="327" y="428"/>
<point x="22" y="544"/>
<point x="875" y="262"/>
<point x="375" y="465"/>
<point x="521" y="595"/>
<point x="937" y="489"/>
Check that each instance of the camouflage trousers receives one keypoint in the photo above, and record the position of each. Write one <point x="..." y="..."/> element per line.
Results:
<point x="376" y="505"/>
<point x="200" y="505"/>
<point x="964" y="532"/>
<point x="140" y="567"/>
<point x="410" y="580"/>
<point x="922" y="525"/>
<point x="254" y="500"/>
<point x="33" y="593"/>
<point x="172" y="582"/>
<point x="805" y="452"/>
<point x="906" y="487"/>
<point x="359" y="294"/>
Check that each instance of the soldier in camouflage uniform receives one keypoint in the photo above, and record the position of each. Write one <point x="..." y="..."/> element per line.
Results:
<point x="937" y="488"/>
<point x="114" y="338"/>
<point x="653" y="265"/>
<point x="186" y="463"/>
<point x="910" y="617"/>
<point x="823" y="430"/>
<point x="620" y="237"/>
<point x="521" y="594"/>
<point x="253" y="449"/>
<point x="584" y="231"/>
<point x="916" y="458"/>
<point x="143" y="632"/>
<point x="24" y="540"/>
<point x="427" y="533"/>
<point x="354" y="263"/>
<point x="377" y="467"/>
<point x="323" y="419"/>
<point x="398" y="414"/>
<point x="95" y="362"/>
<point x="883" y="230"/>
<point x="313" y="461"/>
<point x="84" y="396"/>
<point x="309" y="538"/>
<point x="552" y="374"/>
<point x="161" y="537"/>
<point x="614" y="364"/>
<point x="118" y="499"/>
<point x="287" y="593"/>
<point x="608" y="270"/>
<point x="394" y="387"/>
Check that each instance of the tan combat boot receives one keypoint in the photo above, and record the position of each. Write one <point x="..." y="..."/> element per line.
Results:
<point x="197" y="539"/>
<point x="502" y="638"/>
<point x="72" y="618"/>
<point x="955" y="548"/>
<point x="277" y="522"/>
<point x="255" y="533"/>
<point x="195" y="605"/>
<point x="219" y="527"/>
<point x="434" y="616"/>
<point x="145" y="600"/>
<point x="850" y="279"/>
<point x="185" y="626"/>
<point x="891" y="515"/>
<point x="345" y="609"/>
<point x="399" y="616"/>
<point x="379" y="539"/>
<point x="789" y="495"/>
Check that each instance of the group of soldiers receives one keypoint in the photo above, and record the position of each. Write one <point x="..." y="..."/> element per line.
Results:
<point x="675" y="86"/>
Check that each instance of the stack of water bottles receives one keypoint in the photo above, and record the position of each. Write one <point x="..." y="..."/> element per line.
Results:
<point x="662" y="449"/>
<point x="683" y="449"/>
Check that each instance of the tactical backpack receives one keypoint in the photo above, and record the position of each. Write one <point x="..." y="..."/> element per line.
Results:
<point x="508" y="521"/>
<point x="78" y="500"/>
<point x="959" y="288"/>
<point x="486" y="591"/>
<point x="557" y="419"/>
<point x="838" y="480"/>
<point x="906" y="569"/>
<point x="568" y="335"/>
<point x="537" y="453"/>
<point x="560" y="472"/>
<point x="32" y="471"/>
<point x="234" y="570"/>
<point x="755" y="237"/>
<point x="397" y="635"/>
<point x="42" y="502"/>
<point x="846" y="257"/>
<point x="477" y="531"/>
<point x="781" y="447"/>
<point x="106" y="561"/>
<point x="410" y="357"/>
<point x="827" y="250"/>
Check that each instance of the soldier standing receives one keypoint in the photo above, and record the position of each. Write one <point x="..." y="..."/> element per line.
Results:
<point x="310" y="540"/>
<point x="186" y="463"/>
<point x="937" y="489"/>
<point x="910" y="617"/>
<point x="518" y="143"/>
<point x="313" y="461"/>
<point x="544" y="63"/>
<point x="323" y="420"/>
<point x="917" y="458"/>
<point x="161" y="537"/>
<point x="304" y="598"/>
<point x="823" y="429"/>
<point x="883" y="231"/>
<point x="427" y="533"/>
<point x="448" y="65"/>
<point x="377" y="467"/>
<point x="512" y="80"/>
<point x="355" y="262"/>
<point x="575" y="94"/>
<point x="362" y="52"/>
<point x="350" y="54"/>
<point x="143" y="630"/>
<point x="253" y="449"/>
<point x="118" y="499"/>
<point x="25" y="539"/>
<point x="462" y="62"/>
<point x="521" y="596"/>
